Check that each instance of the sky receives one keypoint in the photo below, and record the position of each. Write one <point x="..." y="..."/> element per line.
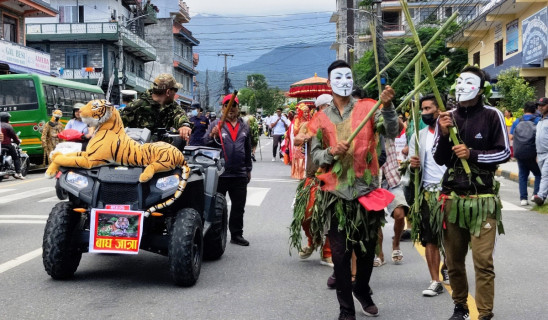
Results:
<point x="258" y="7"/>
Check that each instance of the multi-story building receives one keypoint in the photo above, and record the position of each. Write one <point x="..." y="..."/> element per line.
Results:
<point x="175" y="48"/>
<point x="509" y="34"/>
<point x="15" y="57"/>
<point x="99" y="42"/>
<point x="356" y="35"/>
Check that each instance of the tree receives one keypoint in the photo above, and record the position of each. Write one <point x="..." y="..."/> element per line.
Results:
<point x="257" y="94"/>
<point x="364" y="69"/>
<point x="514" y="89"/>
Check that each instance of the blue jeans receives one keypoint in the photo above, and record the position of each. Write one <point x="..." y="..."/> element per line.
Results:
<point x="525" y="166"/>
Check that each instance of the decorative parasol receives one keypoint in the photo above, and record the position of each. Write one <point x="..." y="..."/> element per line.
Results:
<point x="309" y="88"/>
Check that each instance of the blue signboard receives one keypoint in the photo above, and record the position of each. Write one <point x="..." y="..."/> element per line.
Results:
<point x="535" y="37"/>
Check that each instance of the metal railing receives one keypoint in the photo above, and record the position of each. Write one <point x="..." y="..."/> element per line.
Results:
<point x="72" y="28"/>
<point x="78" y="74"/>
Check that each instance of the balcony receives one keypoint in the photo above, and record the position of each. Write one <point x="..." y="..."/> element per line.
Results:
<point x="150" y="15"/>
<point x="138" y="83"/>
<point x="109" y="31"/>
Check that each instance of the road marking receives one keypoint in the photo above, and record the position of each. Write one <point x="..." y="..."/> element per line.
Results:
<point x="6" y="190"/>
<point x="24" y="216"/>
<point x="18" y="182"/>
<point x="507" y="206"/>
<point x="273" y="180"/>
<point x="22" y="195"/>
<point x="255" y="196"/>
<point x="51" y="199"/>
<point x="22" y="222"/>
<point x="20" y="260"/>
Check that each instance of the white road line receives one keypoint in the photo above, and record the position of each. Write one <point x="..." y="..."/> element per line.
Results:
<point x="52" y="199"/>
<point x="24" y="216"/>
<point x="6" y="190"/>
<point x="22" y="222"/>
<point x="507" y="206"/>
<point x="22" y="195"/>
<point x="273" y="180"/>
<point x="255" y="196"/>
<point x="20" y="260"/>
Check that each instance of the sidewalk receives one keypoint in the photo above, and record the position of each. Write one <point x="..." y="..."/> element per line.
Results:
<point x="510" y="171"/>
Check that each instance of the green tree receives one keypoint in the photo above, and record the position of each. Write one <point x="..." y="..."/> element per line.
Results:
<point x="514" y="89"/>
<point x="364" y="69"/>
<point x="257" y="94"/>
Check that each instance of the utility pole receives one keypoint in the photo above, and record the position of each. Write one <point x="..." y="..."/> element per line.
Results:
<point x="350" y="32"/>
<point x="207" y="90"/>
<point x="226" y="85"/>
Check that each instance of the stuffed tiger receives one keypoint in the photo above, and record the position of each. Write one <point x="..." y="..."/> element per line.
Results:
<point x="111" y="145"/>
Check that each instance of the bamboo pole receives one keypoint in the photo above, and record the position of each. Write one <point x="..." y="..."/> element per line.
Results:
<point x="400" y="54"/>
<point x="428" y="71"/>
<point x="412" y="63"/>
<point x="376" y="54"/>
<point x="416" y="111"/>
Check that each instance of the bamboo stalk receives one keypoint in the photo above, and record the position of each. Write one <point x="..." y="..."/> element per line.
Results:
<point x="376" y="54"/>
<point x="428" y="71"/>
<point x="424" y="82"/>
<point x="412" y="63"/>
<point x="416" y="111"/>
<point x="403" y="52"/>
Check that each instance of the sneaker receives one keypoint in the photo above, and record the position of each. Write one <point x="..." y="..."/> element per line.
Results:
<point x="273" y="159"/>
<point x="538" y="200"/>
<point x="533" y="197"/>
<point x="327" y="262"/>
<point x="18" y="176"/>
<point x="306" y="252"/>
<point x="460" y="313"/>
<point x="445" y="275"/>
<point x="368" y="307"/>
<point x="239" y="240"/>
<point x="331" y="281"/>
<point x="433" y="290"/>
<point x="253" y="158"/>
<point x="524" y="202"/>
<point x="346" y="316"/>
<point x="405" y="235"/>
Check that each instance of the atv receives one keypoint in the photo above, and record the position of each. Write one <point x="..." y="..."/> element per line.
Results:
<point x="107" y="205"/>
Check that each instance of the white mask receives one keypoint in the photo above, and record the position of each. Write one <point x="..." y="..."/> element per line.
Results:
<point x="341" y="81"/>
<point x="468" y="86"/>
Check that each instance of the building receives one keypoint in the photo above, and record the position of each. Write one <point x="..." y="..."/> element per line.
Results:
<point x="98" y="42"/>
<point x="353" y="25"/>
<point x="15" y="57"/>
<point x="177" y="43"/>
<point x="510" y="34"/>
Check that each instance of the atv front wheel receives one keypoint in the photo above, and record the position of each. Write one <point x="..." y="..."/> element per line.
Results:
<point x="61" y="193"/>
<point x="186" y="247"/>
<point x="61" y="255"/>
<point x="215" y="238"/>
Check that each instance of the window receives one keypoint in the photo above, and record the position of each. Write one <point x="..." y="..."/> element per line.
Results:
<point x="71" y="14"/>
<point x="10" y="28"/>
<point x="76" y="58"/>
<point x="18" y="95"/>
<point x="428" y="15"/>
<point x="141" y="72"/>
<point x="132" y="67"/>
<point x="467" y="13"/>
<point x="448" y="11"/>
<point x="498" y="53"/>
<point x="391" y="20"/>
<point x="476" y="59"/>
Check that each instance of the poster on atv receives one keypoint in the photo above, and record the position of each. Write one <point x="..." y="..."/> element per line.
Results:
<point x="115" y="230"/>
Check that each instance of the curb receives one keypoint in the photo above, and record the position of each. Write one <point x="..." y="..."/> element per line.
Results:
<point x="514" y="177"/>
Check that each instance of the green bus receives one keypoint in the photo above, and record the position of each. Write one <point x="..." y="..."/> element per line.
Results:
<point x="31" y="98"/>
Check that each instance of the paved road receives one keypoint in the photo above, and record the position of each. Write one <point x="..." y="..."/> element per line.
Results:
<point x="261" y="281"/>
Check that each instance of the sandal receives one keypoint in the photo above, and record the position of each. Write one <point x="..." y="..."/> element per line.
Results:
<point x="377" y="262"/>
<point x="397" y="256"/>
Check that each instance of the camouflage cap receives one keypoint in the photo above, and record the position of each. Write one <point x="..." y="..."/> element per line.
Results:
<point x="166" y="81"/>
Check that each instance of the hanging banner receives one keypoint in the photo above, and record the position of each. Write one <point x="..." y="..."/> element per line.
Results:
<point x="535" y="37"/>
<point x="19" y="57"/>
<point x="512" y="37"/>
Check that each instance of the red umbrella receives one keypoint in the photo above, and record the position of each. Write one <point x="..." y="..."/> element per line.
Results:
<point x="309" y="88"/>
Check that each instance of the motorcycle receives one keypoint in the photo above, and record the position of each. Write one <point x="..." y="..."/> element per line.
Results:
<point x="7" y="164"/>
<point x="109" y="210"/>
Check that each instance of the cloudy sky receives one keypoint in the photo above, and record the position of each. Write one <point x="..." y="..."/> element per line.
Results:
<point x="258" y="7"/>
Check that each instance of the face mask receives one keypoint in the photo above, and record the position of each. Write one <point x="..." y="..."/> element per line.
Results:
<point x="428" y="119"/>
<point x="468" y="86"/>
<point x="194" y="112"/>
<point x="341" y="81"/>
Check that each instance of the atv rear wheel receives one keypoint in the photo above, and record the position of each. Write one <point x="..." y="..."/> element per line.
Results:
<point x="61" y="255"/>
<point x="216" y="237"/>
<point x="185" y="248"/>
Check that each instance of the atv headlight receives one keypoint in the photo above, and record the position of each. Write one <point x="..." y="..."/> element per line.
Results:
<point x="168" y="182"/>
<point x="77" y="180"/>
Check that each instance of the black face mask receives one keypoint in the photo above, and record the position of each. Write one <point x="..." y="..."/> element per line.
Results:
<point x="428" y="119"/>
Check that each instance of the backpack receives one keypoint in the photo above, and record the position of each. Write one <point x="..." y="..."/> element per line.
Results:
<point x="524" y="139"/>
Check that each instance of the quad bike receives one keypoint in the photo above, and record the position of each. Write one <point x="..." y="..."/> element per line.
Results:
<point x="192" y="228"/>
<point x="7" y="165"/>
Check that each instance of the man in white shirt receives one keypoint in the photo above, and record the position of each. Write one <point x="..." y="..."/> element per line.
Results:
<point x="279" y="125"/>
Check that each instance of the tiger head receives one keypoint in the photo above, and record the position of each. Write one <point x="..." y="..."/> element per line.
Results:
<point x="96" y="112"/>
<point x="122" y="223"/>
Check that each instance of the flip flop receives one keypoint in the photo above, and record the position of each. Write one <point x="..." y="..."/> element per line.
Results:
<point x="397" y="256"/>
<point x="377" y="262"/>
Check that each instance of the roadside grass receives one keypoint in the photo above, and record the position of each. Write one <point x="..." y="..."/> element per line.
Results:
<point x="541" y="209"/>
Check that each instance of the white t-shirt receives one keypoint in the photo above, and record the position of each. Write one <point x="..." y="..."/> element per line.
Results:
<point x="433" y="173"/>
<point x="279" y="129"/>
<point x="400" y="142"/>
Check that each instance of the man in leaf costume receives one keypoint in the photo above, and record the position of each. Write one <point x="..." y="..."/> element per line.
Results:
<point x="354" y="175"/>
<point x="471" y="203"/>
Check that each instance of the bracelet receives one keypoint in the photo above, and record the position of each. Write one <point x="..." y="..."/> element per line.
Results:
<point x="185" y="125"/>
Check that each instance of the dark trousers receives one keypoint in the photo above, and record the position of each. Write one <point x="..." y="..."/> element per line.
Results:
<point x="13" y="153"/>
<point x="524" y="167"/>
<point x="237" y="190"/>
<point x="341" y="253"/>
<point x="277" y="140"/>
